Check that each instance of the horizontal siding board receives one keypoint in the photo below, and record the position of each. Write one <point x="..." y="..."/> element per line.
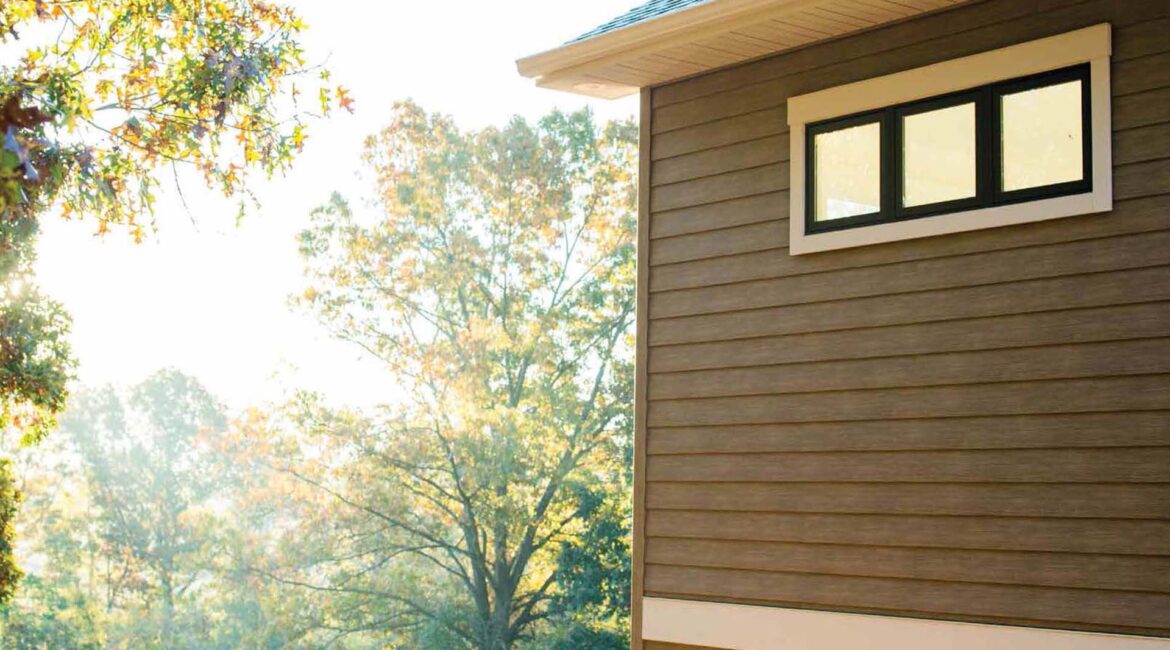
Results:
<point x="1143" y="39"/>
<point x="1142" y="144"/>
<point x="1105" y="536"/>
<point x="1137" y="429"/>
<point x="771" y="121"/>
<point x="725" y="214"/>
<point x="993" y="267"/>
<point x="1041" y="604"/>
<point x="992" y="567"/>
<point x="747" y="263"/>
<point x="1126" y="322"/>
<point x="1146" y="73"/>
<point x="1064" y="396"/>
<point x="730" y="241"/>
<point x="712" y="189"/>
<point x="1115" y="465"/>
<point x="1142" y="109"/>
<point x="1048" y="294"/>
<point x="744" y="155"/>
<point x="1090" y="500"/>
<point x="1128" y="76"/>
<point x="725" y="269"/>
<point x="1140" y="357"/>
<point x="1142" y="179"/>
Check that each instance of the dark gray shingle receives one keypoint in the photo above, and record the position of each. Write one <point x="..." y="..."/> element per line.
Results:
<point x="652" y="9"/>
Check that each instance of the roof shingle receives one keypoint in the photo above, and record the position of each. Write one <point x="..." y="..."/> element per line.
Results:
<point x="652" y="9"/>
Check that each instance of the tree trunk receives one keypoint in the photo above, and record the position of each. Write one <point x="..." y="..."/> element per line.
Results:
<point x="168" y="622"/>
<point x="500" y="625"/>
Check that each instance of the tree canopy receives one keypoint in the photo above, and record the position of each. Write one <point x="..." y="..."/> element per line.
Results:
<point x="106" y="98"/>
<point x="108" y="92"/>
<point x="101" y="102"/>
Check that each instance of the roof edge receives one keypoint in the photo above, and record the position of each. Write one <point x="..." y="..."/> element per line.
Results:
<point x="658" y="32"/>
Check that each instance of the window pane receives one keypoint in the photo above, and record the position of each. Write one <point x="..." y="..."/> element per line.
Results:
<point x="1042" y="137"/>
<point x="939" y="155"/>
<point x="848" y="172"/>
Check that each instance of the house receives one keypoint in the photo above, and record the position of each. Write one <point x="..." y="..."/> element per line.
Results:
<point x="903" y="364"/>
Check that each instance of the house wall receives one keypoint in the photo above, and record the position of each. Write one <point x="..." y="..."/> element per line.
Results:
<point x="969" y="427"/>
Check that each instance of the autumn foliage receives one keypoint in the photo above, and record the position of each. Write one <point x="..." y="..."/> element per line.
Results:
<point x="482" y="506"/>
<point x="495" y="281"/>
<point x="103" y="101"/>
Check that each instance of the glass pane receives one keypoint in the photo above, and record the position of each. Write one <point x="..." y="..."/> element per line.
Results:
<point x="939" y="155"/>
<point x="848" y="172"/>
<point x="1042" y="137"/>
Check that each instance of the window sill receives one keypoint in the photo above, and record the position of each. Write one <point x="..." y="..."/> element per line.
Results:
<point x="954" y="222"/>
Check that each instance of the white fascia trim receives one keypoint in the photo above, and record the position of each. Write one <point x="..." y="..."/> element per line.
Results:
<point x="563" y="67"/>
<point x="667" y="29"/>
<point x="1091" y="45"/>
<point x="749" y="627"/>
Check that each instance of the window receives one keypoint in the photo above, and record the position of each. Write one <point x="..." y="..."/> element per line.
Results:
<point x="1043" y="137"/>
<point x="1018" y="140"/>
<point x="1004" y="137"/>
<point x="938" y="154"/>
<point x="847" y="160"/>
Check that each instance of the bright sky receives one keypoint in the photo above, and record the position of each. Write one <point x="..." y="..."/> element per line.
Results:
<point x="210" y="298"/>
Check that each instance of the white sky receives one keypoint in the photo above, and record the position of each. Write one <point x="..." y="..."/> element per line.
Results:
<point x="210" y="298"/>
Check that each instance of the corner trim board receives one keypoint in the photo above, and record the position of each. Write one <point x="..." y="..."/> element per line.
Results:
<point x="641" y="371"/>
<point x="751" y="627"/>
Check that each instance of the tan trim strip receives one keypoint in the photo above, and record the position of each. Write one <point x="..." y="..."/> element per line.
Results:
<point x="1052" y="53"/>
<point x="749" y="627"/>
<point x="641" y="363"/>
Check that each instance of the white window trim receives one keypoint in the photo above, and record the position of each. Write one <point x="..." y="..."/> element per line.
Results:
<point x="1091" y="45"/>
<point x="752" y="627"/>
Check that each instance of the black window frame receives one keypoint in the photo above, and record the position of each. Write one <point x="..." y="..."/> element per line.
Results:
<point x="988" y="147"/>
<point x="859" y="119"/>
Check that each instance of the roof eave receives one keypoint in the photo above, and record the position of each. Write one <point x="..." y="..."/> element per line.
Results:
<point x="562" y="67"/>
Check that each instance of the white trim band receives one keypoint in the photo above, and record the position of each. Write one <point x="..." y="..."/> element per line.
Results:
<point x="749" y="627"/>
<point x="1091" y="45"/>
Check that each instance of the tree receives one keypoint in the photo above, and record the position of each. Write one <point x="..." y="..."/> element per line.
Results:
<point x="9" y="501"/>
<point x="52" y="606"/>
<point x="593" y="573"/>
<point x="498" y="288"/>
<point x="100" y="100"/>
<point x="46" y="616"/>
<point x="131" y="527"/>
<point x="151" y="478"/>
